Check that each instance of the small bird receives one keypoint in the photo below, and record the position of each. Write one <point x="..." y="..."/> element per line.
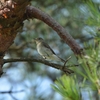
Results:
<point x="45" y="51"/>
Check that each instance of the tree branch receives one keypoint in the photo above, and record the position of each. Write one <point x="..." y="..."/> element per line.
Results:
<point x="10" y="91"/>
<point x="32" y="12"/>
<point x="57" y="66"/>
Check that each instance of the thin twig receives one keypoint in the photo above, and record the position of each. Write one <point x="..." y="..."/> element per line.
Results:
<point x="67" y="60"/>
<point x="54" y="65"/>
<point x="10" y="91"/>
<point x="13" y="97"/>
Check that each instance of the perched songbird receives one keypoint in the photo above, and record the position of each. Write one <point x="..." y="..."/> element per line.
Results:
<point x="45" y="51"/>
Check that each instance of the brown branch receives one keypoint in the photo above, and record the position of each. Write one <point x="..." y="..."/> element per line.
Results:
<point x="32" y="12"/>
<point x="57" y="66"/>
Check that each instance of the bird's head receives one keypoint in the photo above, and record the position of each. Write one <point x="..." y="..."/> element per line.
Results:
<point x="38" y="40"/>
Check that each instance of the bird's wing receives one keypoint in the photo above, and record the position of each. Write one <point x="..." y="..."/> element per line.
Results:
<point x="45" y="44"/>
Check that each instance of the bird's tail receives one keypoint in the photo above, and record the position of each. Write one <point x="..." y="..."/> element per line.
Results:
<point x="61" y="59"/>
<point x="56" y="58"/>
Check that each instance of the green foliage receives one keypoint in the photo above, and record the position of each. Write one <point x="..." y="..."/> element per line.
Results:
<point x="94" y="13"/>
<point x="89" y="63"/>
<point x="68" y="87"/>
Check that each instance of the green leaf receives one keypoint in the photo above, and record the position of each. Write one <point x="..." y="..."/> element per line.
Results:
<point x="68" y="87"/>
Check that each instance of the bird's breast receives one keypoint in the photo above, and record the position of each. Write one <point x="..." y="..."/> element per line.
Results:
<point x="40" y="49"/>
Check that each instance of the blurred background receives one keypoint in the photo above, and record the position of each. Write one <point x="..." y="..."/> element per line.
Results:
<point x="31" y="80"/>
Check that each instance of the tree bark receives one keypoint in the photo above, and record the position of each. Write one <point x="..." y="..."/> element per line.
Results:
<point x="11" y="21"/>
